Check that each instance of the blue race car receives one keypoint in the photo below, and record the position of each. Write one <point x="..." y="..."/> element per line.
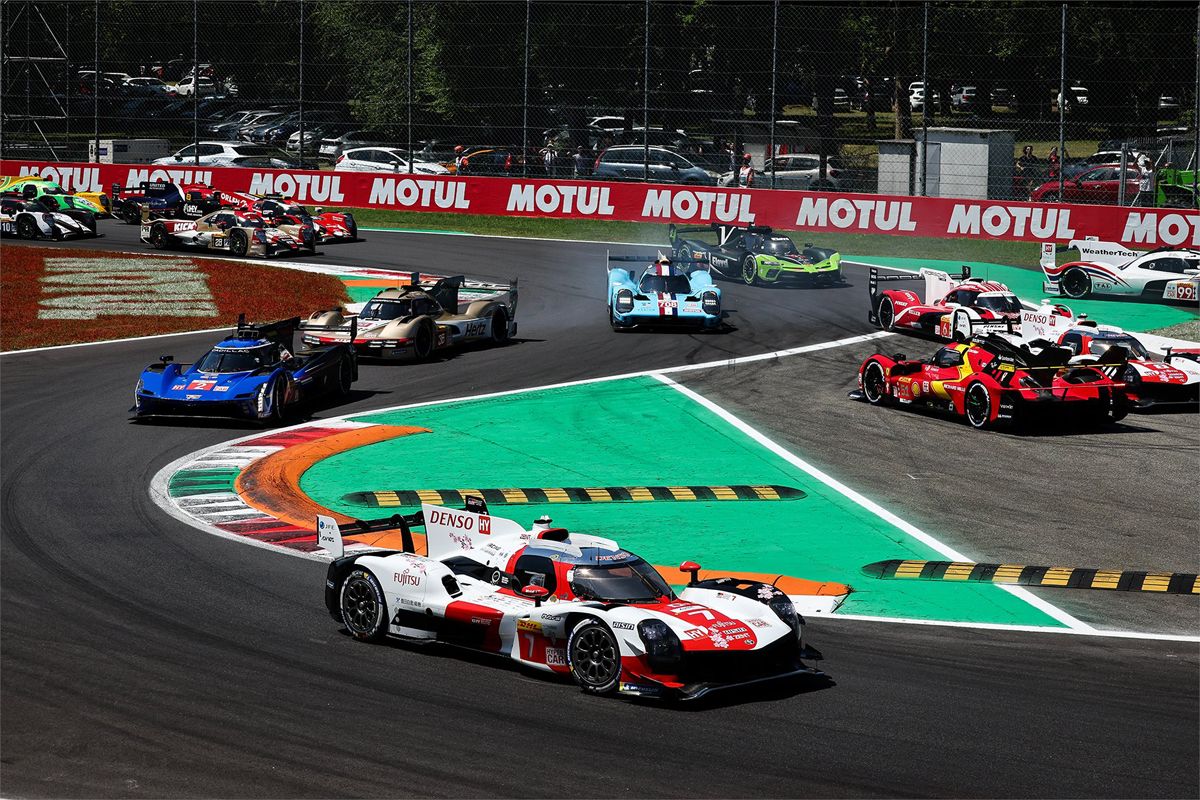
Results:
<point x="666" y="295"/>
<point x="252" y="374"/>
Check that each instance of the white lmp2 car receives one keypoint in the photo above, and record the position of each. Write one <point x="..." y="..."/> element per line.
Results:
<point x="1108" y="269"/>
<point x="565" y="603"/>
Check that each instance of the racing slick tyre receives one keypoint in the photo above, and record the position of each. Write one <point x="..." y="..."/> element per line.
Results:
<point x="874" y="384"/>
<point x="750" y="270"/>
<point x="616" y="326"/>
<point x="239" y="244"/>
<point x="130" y="214"/>
<point x="423" y="340"/>
<point x="499" y="326"/>
<point x="159" y="237"/>
<point x="594" y="657"/>
<point x="26" y="228"/>
<point x="978" y="406"/>
<point x="364" y="609"/>
<point x="1076" y="284"/>
<point x="887" y="314"/>
<point x="345" y="378"/>
<point x="275" y="417"/>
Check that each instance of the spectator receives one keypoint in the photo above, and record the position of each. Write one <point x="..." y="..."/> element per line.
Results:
<point x="1053" y="159"/>
<point x="464" y="166"/>
<point x="548" y="159"/>
<point x="580" y="163"/>
<point x="746" y="174"/>
<point x="1027" y="167"/>
<point x="458" y="158"/>
<point x="1145" y="195"/>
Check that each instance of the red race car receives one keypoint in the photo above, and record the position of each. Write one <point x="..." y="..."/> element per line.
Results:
<point x="995" y="379"/>
<point x="331" y="226"/>
<point x="954" y="306"/>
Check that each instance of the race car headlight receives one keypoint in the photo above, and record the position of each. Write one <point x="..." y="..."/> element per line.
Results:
<point x="624" y="301"/>
<point x="310" y="339"/>
<point x="711" y="303"/>
<point x="663" y="648"/>
<point x="137" y="392"/>
<point x="785" y="609"/>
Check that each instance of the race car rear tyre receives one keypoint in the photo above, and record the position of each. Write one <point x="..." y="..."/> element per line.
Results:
<point x="276" y="415"/>
<point x="874" y="384"/>
<point x="26" y="228"/>
<point x="159" y="237"/>
<point x="978" y="405"/>
<point x="239" y="244"/>
<point x="594" y="657"/>
<point x="345" y="378"/>
<point x="1076" y="284"/>
<point x="423" y="340"/>
<point x="130" y="214"/>
<point x="363" y="606"/>
<point x="750" y="270"/>
<point x="887" y="314"/>
<point x="499" y="326"/>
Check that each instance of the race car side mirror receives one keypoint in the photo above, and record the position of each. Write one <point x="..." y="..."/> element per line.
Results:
<point x="319" y="210"/>
<point x="899" y="357"/>
<point x="690" y="567"/>
<point x="536" y="593"/>
<point x="166" y="359"/>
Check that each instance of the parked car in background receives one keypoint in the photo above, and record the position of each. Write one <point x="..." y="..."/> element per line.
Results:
<point x="964" y="99"/>
<point x="841" y="100"/>
<point x="313" y="135"/>
<point x="189" y="86"/>
<point x="247" y="128"/>
<point x="1002" y="97"/>
<point x="154" y="84"/>
<point x="1097" y="185"/>
<point x="626" y="162"/>
<point x="384" y="159"/>
<point x="332" y="146"/>
<point x="1079" y="166"/>
<point x="227" y="154"/>
<point x="796" y="171"/>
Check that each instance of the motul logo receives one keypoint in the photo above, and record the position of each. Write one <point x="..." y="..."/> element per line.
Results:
<point x="550" y="198"/>
<point x="1168" y="229"/>
<point x="299" y="186"/>
<point x="71" y="179"/>
<point x="137" y="176"/>
<point x="422" y="193"/>
<point x="687" y="205"/>
<point x="973" y="219"/>
<point x="867" y="215"/>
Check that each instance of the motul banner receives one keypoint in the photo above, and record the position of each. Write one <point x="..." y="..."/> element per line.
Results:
<point x="637" y="202"/>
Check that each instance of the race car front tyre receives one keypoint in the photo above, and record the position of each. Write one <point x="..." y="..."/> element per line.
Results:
<point x="594" y="658"/>
<point x="363" y="606"/>
<point x="423" y="340"/>
<point x="275" y="415"/>
<point x="345" y="378"/>
<point x="874" y="384"/>
<point x="978" y="405"/>
<point x="614" y="324"/>
<point x="26" y="228"/>
<point x="499" y="326"/>
<point x="239" y="243"/>
<point x="1076" y="284"/>
<point x="159" y="237"/>
<point x="750" y="270"/>
<point x="130" y="214"/>
<point x="887" y="314"/>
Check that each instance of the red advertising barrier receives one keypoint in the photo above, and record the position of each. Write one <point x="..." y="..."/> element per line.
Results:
<point x="637" y="202"/>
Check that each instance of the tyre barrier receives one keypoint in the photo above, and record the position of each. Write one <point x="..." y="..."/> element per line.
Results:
<point x="1025" y="575"/>
<point x="403" y="498"/>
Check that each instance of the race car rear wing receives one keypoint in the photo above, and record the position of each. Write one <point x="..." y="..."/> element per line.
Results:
<point x="876" y="278"/>
<point x="647" y="260"/>
<point x="723" y="231"/>
<point x="329" y="533"/>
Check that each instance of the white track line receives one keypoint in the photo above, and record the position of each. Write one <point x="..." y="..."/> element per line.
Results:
<point x="997" y="626"/>
<point x="113" y="341"/>
<point x="870" y="505"/>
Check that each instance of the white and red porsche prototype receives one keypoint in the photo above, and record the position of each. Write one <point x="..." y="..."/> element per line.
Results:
<point x="567" y="603"/>
<point x="953" y="306"/>
<point x="1112" y="270"/>
<point x="1149" y="382"/>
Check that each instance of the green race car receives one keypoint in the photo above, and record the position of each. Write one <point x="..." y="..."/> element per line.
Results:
<point x="54" y="197"/>
<point x="758" y="255"/>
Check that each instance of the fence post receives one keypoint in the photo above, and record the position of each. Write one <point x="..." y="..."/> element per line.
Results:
<point x="646" y="99"/>
<point x="300" y="76"/>
<point x="525" y="98"/>
<point x="196" y="82"/>
<point x="774" y="72"/>
<point x="411" y="156"/>
<point x="925" y="103"/>
<point x="1195" y="160"/>
<point x="1062" y="99"/>
<point x="96" y="77"/>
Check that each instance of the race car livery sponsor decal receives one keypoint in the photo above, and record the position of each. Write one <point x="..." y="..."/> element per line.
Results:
<point x="632" y="202"/>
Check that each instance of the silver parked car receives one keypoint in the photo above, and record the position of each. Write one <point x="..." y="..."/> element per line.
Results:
<point x="384" y="159"/>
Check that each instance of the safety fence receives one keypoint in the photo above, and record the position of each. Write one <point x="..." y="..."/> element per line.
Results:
<point x="851" y="97"/>
<point x="661" y="203"/>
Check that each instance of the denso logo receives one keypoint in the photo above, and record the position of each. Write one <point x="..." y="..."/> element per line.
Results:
<point x="137" y="176"/>
<point x="549" y="199"/>
<point x="464" y="522"/>
<point x="71" y="179"/>
<point x="700" y="206"/>
<point x="405" y="579"/>
<point x="1168" y="229"/>
<point x="1002" y="220"/>
<point x="880" y="215"/>
<point x="419" y="192"/>
<point x="301" y="186"/>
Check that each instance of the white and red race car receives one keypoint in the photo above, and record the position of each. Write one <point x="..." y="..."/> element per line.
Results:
<point x="1173" y="381"/>
<point x="565" y="603"/>
<point x="953" y="306"/>
<point x="238" y="233"/>
<point x="1112" y="270"/>
<point x="281" y="211"/>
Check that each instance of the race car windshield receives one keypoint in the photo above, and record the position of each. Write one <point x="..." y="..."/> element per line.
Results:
<point x="778" y="246"/>
<point x="218" y="360"/>
<point x="632" y="581"/>
<point x="669" y="284"/>
<point x="1099" y="347"/>
<point x="386" y="309"/>
<point x="1002" y="302"/>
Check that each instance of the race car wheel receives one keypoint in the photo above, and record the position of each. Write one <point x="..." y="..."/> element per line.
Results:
<point x="130" y="214"/>
<point x="239" y="244"/>
<point x="499" y="326"/>
<point x="345" y="378"/>
<point x="978" y="404"/>
<point x="874" y="383"/>
<point x="364" y="609"/>
<point x="159" y="237"/>
<point x="594" y="657"/>
<point x="423" y="340"/>
<point x="276" y="415"/>
<point x="750" y="270"/>
<point x="1076" y="283"/>
<point x="26" y="228"/>
<point x="887" y="314"/>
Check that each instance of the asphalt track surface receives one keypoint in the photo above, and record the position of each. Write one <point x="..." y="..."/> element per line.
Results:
<point x="143" y="658"/>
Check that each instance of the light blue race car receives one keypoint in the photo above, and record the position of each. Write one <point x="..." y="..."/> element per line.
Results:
<point x="667" y="294"/>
